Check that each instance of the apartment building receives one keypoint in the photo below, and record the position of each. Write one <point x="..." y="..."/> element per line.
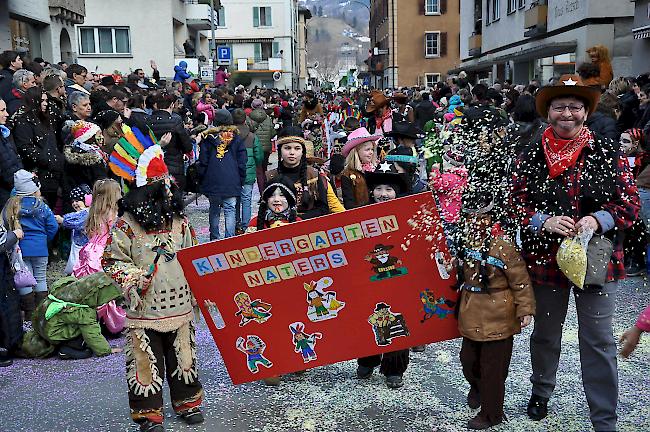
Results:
<point x="525" y="39"/>
<point x="414" y="42"/>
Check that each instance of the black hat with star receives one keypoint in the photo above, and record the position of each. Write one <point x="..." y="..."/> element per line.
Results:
<point x="386" y="174"/>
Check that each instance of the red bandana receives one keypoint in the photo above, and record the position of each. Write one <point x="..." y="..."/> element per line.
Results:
<point x="560" y="153"/>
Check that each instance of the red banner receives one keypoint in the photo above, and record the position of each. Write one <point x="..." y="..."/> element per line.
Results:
<point x="324" y="290"/>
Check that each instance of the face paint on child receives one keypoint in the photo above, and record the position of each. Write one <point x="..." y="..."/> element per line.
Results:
<point x="278" y="202"/>
<point x="382" y="193"/>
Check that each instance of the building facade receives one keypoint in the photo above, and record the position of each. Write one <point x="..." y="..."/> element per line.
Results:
<point x="525" y="39"/>
<point x="263" y="39"/>
<point x="641" y="34"/>
<point x="414" y="42"/>
<point x="41" y="28"/>
<point x="123" y="35"/>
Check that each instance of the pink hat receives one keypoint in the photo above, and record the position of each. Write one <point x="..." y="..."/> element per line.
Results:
<point x="357" y="137"/>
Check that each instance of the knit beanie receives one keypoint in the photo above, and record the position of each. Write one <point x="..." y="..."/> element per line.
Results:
<point x="25" y="183"/>
<point x="106" y="118"/>
<point x="81" y="193"/>
<point x="238" y="116"/>
<point x="222" y="117"/>
<point x="257" y="103"/>
<point x="82" y="131"/>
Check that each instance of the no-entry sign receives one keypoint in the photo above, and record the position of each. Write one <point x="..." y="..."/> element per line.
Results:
<point x="334" y="288"/>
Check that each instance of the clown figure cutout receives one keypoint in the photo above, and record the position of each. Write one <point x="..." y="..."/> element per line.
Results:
<point x="322" y="305"/>
<point x="304" y="342"/>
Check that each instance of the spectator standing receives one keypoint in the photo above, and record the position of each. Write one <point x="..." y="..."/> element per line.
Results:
<point x="10" y="61"/>
<point x="9" y="160"/>
<point x="255" y="157"/>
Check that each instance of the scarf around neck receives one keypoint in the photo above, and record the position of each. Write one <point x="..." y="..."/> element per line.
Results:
<point x="562" y="154"/>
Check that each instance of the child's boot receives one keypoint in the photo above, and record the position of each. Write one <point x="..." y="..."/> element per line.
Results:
<point x="39" y="296"/>
<point x="28" y="304"/>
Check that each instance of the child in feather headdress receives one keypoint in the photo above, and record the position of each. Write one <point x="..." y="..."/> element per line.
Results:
<point x="140" y="256"/>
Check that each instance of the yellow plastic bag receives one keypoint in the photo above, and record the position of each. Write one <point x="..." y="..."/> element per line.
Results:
<point x="572" y="257"/>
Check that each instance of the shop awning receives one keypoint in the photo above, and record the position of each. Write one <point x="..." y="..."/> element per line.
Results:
<point x="537" y="52"/>
<point x="242" y="40"/>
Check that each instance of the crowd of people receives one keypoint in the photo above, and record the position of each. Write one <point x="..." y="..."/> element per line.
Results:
<point x="98" y="170"/>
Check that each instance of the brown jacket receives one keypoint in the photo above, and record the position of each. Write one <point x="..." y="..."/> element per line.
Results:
<point x="354" y="188"/>
<point x="495" y="315"/>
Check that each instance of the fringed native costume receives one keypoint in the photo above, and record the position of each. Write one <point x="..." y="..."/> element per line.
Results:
<point x="160" y="336"/>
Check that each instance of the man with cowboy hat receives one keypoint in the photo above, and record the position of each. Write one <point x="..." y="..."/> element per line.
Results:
<point x="567" y="180"/>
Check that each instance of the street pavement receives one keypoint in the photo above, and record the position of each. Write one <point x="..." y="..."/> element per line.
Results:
<point x="91" y="395"/>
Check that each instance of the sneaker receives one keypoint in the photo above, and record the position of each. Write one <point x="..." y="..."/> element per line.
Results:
<point x="634" y="269"/>
<point x="192" y="416"/>
<point x="419" y="348"/>
<point x="69" y="353"/>
<point x="364" y="372"/>
<point x="149" y="426"/>
<point x="394" y="381"/>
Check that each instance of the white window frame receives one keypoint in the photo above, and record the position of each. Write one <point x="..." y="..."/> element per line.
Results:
<point x="426" y="79"/>
<point x="113" y="41"/>
<point x="496" y="10"/>
<point x="522" y="4"/>
<point x="433" y="11"/>
<point x="426" y="51"/>
<point x="512" y="6"/>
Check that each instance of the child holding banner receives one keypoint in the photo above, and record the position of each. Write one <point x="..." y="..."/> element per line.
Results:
<point x="496" y="301"/>
<point x="310" y="186"/>
<point x="140" y="256"/>
<point x="384" y="184"/>
<point x="277" y="208"/>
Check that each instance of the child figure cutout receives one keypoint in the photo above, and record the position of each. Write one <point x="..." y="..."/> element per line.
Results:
<point x="440" y="307"/>
<point x="304" y="342"/>
<point x="255" y="310"/>
<point x="322" y="305"/>
<point x="253" y="346"/>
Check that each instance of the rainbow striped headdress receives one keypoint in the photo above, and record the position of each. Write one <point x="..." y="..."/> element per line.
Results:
<point x="138" y="157"/>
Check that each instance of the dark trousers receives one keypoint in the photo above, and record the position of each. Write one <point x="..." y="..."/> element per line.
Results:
<point x="392" y="363"/>
<point x="150" y="355"/>
<point x="261" y="172"/>
<point x="485" y="366"/>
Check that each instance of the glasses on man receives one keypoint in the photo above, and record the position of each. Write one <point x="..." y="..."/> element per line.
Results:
<point x="573" y="108"/>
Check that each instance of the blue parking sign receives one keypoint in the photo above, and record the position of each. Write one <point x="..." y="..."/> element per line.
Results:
<point x="223" y="55"/>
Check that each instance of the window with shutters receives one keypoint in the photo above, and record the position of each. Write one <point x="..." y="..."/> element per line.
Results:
<point x="432" y="44"/>
<point x="512" y="6"/>
<point x="522" y="4"/>
<point x="431" y="79"/>
<point x="104" y="40"/>
<point x="262" y="16"/>
<point x="264" y="50"/>
<point x="431" y="7"/>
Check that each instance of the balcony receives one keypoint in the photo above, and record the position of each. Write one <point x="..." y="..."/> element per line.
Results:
<point x="197" y="15"/>
<point x="535" y="20"/>
<point x="72" y="11"/>
<point x="474" y="45"/>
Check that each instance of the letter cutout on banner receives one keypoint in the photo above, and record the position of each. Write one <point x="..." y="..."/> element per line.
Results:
<point x="338" y="287"/>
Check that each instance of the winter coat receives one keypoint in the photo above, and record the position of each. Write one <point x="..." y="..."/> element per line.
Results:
<point x="494" y="315"/>
<point x="603" y="124"/>
<point x="207" y="108"/>
<point x="82" y="167"/>
<point x="76" y="221"/>
<point x="9" y="163"/>
<point x="253" y="151"/>
<point x="139" y="119"/>
<point x="15" y="100"/>
<point x="221" y="77"/>
<point x="354" y="189"/>
<point x="162" y="122"/>
<point x="317" y="205"/>
<point x="449" y="187"/>
<point x="424" y="111"/>
<point x="222" y="162"/>
<point x="629" y="107"/>
<point x="72" y="321"/>
<point x="643" y="322"/>
<point x="263" y="128"/>
<point x="56" y="116"/>
<point x="180" y="71"/>
<point x="39" y="225"/>
<point x="71" y="87"/>
<point x="11" y="322"/>
<point x="520" y="135"/>
<point x="36" y="144"/>
<point x="6" y="83"/>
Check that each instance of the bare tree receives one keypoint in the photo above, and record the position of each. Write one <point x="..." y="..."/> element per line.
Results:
<point x="328" y="61"/>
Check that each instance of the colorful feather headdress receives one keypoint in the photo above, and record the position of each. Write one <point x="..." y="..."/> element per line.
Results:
<point x="138" y="157"/>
